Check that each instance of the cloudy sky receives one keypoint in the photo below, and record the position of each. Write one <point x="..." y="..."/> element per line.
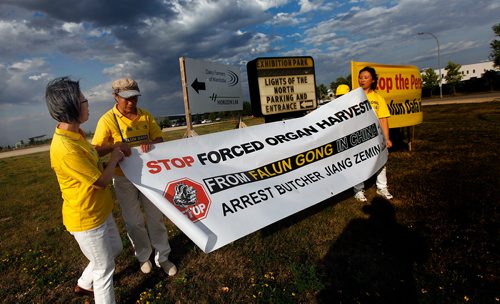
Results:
<point x="96" y="41"/>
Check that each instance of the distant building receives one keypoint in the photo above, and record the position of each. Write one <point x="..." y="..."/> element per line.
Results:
<point x="470" y="70"/>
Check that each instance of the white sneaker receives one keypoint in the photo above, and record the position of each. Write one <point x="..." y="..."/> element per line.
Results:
<point x="360" y="196"/>
<point x="384" y="193"/>
<point x="169" y="267"/>
<point x="146" y="267"/>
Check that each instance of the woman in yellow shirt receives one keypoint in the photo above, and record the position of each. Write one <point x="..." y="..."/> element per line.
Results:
<point x="125" y="126"/>
<point x="87" y="200"/>
<point x="367" y="79"/>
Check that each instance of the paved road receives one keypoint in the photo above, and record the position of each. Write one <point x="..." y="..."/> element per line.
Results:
<point x="24" y="151"/>
<point x="47" y="147"/>
<point x="475" y="98"/>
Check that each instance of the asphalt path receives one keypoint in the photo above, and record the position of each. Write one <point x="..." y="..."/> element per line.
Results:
<point x="25" y="151"/>
<point x="42" y="148"/>
<point x="473" y="98"/>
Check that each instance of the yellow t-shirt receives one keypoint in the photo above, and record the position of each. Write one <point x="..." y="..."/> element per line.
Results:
<point x="77" y="167"/>
<point x="142" y="128"/>
<point x="378" y="104"/>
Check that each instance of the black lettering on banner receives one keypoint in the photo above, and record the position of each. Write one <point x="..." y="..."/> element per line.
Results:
<point x="135" y="138"/>
<point x="223" y="182"/>
<point x="338" y="166"/>
<point x="247" y="200"/>
<point x="367" y="154"/>
<point x="408" y="107"/>
<point x="345" y="114"/>
<point x="297" y="183"/>
<point x="413" y="106"/>
<point x="229" y="153"/>
<point x="396" y="108"/>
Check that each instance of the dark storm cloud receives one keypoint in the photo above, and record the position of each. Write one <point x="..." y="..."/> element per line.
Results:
<point x="102" y="13"/>
<point x="197" y="33"/>
<point x="141" y="40"/>
<point x="144" y="40"/>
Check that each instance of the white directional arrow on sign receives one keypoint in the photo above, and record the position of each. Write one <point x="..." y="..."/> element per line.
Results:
<point x="305" y="104"/>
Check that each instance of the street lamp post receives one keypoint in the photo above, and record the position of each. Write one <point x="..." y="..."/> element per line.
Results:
<point x="439" y="65"/>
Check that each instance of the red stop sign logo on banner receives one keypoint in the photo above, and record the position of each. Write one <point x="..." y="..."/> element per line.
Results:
<point x="189" y="197"/>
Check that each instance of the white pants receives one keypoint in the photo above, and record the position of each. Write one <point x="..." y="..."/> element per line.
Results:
<point x="100" y="245"/>
<point x="381" y="181"/>
<point x="156" y="235"/>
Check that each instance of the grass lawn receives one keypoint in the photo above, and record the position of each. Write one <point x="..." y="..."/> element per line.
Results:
<point x="436" y="242"/>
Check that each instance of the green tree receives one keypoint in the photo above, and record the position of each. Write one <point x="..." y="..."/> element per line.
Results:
<point x="489" y="77"/>
<point x="247" y="108"/>
<point x="453" y="75"/>
<point x="339" y="81"/>
<point x="431" y="79"/>
<point x="349" y="80"/>
<point x="88" y="134"/>
<point x="321" y="91"/>
<point x="212" y="116"/>
<point x="495" y="46"/>
<point x="165" y="123"/>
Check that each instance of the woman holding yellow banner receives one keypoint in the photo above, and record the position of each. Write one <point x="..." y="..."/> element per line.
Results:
<point x="367" y="79"/>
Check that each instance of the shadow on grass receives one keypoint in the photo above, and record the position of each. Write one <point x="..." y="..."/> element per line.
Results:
<point x="372" y="260"/>
<point x="138" y="282"/>
<point x="306" y="213"/>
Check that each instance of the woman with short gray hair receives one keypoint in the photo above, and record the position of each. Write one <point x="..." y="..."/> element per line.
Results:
<point x="87" y="200"/>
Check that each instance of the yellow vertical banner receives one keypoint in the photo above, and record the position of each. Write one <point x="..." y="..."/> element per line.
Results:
<point x="401" y="86"/>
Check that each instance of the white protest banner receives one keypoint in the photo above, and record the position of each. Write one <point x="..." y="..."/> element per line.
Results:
<point x="220" y="187"/>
